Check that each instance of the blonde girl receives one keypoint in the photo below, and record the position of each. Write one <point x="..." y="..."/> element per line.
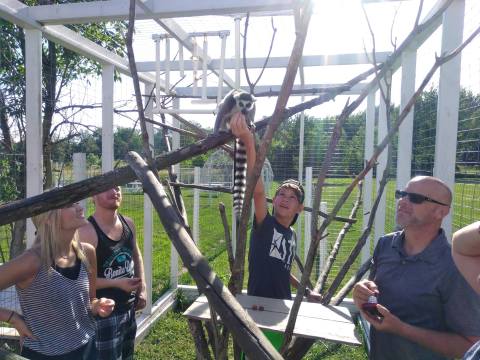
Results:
<point x="55" y="282"/>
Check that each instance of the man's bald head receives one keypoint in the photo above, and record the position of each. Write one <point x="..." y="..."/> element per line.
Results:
<point x="434" y="188"/>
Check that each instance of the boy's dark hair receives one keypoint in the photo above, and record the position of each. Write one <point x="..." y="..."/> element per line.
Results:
<point x="297" y="189"/>
<point x="295" y="186"/>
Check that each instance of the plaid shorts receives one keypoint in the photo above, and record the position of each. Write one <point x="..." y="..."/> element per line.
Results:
<point x="115" y="338"/>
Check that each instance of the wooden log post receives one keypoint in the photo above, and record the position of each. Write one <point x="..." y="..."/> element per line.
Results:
<point x="239" y="323"/>
<point x="201" y="346"/>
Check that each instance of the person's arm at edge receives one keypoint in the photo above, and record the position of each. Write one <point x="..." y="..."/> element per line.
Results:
<point x="240" y="130"/>
<point x="466" y="253"/>
<point x="446" y="343"/>
<point x="19" y="271"/>
<point x="466" y="241"/>
<point x="138" y="268"/>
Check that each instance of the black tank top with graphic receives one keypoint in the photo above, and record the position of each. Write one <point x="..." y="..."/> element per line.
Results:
<point x="114" y="261"/>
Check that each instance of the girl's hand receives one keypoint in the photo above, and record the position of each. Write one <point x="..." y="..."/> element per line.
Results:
<point x="19" y="324"/>
<point x="103" y="307"/>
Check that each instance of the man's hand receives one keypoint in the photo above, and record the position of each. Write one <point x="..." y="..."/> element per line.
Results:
<point x="141" y="300"/>
<point x="362" y="291"/>
<point x="128" y="284"/>
<point x="389" y="323"/>
<point x="103" y="307"/>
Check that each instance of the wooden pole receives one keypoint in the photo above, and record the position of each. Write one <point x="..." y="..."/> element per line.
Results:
<point x="239" y="323"/>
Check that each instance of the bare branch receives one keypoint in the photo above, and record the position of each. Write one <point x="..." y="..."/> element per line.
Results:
<point x="228" y="238"/>
<point x="136" y="83"/>
<point x="250" y="85"/>
<point x="353" y="280"/>
<point x="252" y="88"/>
<point x="419" y="13"/>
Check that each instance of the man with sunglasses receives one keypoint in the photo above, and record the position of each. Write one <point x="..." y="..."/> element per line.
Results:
<point x="426" y="310"/>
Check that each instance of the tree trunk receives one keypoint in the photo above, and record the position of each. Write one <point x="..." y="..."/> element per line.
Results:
<point x="50" y="78"/>
<point x="17" y="245"/>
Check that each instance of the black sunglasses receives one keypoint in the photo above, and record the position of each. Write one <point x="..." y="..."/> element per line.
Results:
<point x="415" y="198"/>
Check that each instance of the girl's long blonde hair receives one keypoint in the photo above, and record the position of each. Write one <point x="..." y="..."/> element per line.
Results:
<point x="48" y="226"/>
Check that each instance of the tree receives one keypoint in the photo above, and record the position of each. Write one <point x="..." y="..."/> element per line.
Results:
<point x="60" y="67"/>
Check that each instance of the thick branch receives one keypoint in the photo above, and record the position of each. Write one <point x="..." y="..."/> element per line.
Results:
<point x="201" y="346"/>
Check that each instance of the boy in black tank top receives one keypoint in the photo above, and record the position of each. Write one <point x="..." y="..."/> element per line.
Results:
<point x="120" y="274"/>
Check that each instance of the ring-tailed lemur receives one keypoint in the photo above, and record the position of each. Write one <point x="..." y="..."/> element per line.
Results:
<point x="237" y="101"/>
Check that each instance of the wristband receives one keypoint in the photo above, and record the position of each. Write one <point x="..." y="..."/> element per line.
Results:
<point x="10" y="317"/>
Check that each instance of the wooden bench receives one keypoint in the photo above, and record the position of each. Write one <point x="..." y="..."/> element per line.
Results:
<point x="315" y="321"/>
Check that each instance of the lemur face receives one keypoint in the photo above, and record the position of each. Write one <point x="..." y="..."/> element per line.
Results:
<point x="245" y="103"/>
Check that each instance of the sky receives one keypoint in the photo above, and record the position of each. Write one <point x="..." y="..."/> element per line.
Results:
<point x="336" y="27"/>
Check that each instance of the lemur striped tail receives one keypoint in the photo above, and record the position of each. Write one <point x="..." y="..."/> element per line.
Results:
<point x="239" y="177"/>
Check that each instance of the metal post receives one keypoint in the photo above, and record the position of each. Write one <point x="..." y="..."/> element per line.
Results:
<point x="33" y="119"/>
<point x="107" y="117"/>
<point x="148" y="214"/>
<point x="196" y="206"/>
<point x="382" y="164"/>
<point x="157" y="71"/>
<point x="368" y="183"/>
<point x="221" y="69"/>
<point x="173" y="251"/>
<point x="237" y="52"/>
<point x="308" y="216"/>
<point x="167" y="66"/>
<point x="204" y="68"/>
<point x="448" y="102"/>
<point x="80" y="173"/>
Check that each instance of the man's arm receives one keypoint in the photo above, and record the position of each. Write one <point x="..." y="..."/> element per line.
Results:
<point x="239" y="128"/>
<point x="466" y="253"/>
<point x="138" y="268"/>
<point x="445" y="343"/>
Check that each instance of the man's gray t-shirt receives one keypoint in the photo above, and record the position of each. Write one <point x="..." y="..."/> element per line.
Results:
<point x="424" y="290"/>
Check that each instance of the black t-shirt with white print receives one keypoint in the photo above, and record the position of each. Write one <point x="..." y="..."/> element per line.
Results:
<point x="272" y="250"/>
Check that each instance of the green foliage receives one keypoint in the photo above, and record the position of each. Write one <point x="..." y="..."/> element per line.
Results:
<point x="125" y="140"/>
<point x="8" y="186"/>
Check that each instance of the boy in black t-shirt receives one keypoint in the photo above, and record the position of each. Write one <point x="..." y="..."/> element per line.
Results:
<point x="273" y="241"/>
